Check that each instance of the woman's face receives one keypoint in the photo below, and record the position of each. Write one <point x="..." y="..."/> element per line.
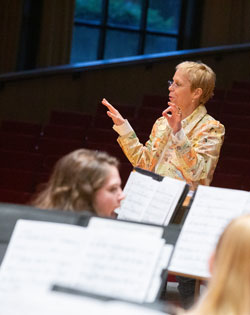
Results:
<point x="110" y="195"/>
<point x="180" y="91"/>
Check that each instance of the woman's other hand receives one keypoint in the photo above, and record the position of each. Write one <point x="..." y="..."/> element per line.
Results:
<point x="113" y="113"/>
<point x="174" y="116"/>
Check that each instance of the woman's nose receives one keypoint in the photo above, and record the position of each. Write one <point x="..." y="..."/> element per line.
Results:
<point x="121" y="195"/>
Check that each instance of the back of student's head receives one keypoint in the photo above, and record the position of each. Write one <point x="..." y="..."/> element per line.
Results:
<point x="229" y="288"/>
<point x="231" y="268"/>
<point x="74" y="181"/>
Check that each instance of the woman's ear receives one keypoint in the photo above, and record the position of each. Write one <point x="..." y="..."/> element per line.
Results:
<point x="198" y="92"/>
<point x="211" y="262"/>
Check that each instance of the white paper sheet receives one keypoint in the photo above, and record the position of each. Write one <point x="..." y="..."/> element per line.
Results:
<point x="56" y="303"/>
<point x="149" y="200"/>
<point x="118" y="226"/>
<point x="161" y="265"/>
<point x="212" y="209"/>
<point x="39" y="253"/>
<point x="109" y="262"/>
<point x="122" y="267"/>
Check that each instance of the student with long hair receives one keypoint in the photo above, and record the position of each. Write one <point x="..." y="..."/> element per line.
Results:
<point x="228" y="290"/>
<point x="83" y="180"/>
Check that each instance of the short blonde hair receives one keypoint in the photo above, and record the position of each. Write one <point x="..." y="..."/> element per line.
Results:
<point x="200" y="76"/>
<point x="229" y="288"/>
<point x="74" y="181"/>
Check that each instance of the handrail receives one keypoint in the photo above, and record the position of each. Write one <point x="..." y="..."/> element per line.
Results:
<point x="78" y="68"/>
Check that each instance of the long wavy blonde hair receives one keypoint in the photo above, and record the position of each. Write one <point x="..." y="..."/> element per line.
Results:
<point x="74" y="180"/>
<point x="228" y="292"/>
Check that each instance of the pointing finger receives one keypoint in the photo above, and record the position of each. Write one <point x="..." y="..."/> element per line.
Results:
<point x="108" y="105"/>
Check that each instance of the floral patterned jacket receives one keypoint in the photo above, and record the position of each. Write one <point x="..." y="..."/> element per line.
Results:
<point x="191" y="156"/>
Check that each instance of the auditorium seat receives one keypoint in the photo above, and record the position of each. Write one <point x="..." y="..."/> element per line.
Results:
<point x="70" y="118"/>
<point x="112" y="149"/>
<point x="236" y="95"/>
<point x="219" y="94"/>
<point x="232" y="165"/>
<point x="11" y="196"/>
<point x="236" y="108"/>
<point x="102" y="121"/>
<point x="49" y="146"/>
<point x="25" y="161"/>
<point x="246" y="181"/>
<point x="101" y="135"/>
<point x="236" y="150"/>
<point x="156" y="101"/>
<point x="232" y="172"/>
<point x="144" y="125"/>
<point x="64" y="132"/>
<point x="17" y="180"/>
<point x="152" y="112"/>
<point x="20" y="127"/>
<point x="227" y="180"/>
<point x="235" y="121"/>
<point x="237" y="135"/>
<point x="40" y="178"/>
<point x="49" y="162"/>
<point x="241" y="85"/>
<point x="16" y="142"/>
<point x="214" y="108"/>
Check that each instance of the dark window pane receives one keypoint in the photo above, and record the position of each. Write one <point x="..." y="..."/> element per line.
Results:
<point x="88" y="9"/>
<point x="85" y="44"/>
<point x="157" y="44"/>
<point x="164" y="16"/>
<point x="120" y="44"/>
<point x="125" y="12"/>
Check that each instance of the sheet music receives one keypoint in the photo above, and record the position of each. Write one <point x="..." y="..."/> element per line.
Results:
<point x="139" y="191"/>
<point x="117" y="226"/>
<point x="32" y="302"/>
<point x="107" y="262"/>
<point x="40" y="253"/>
<point x="151" y="201"/>
<point x="212" y="209"/>
<point x="121" y="308"/>
<point x="57" y="303"/>
<point x="164" y="201"/>
<point x="122" y="268"/>
<point x="161" y="265"/>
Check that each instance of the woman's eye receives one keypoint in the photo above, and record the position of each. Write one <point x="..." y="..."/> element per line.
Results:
<point x="113" y="189"/>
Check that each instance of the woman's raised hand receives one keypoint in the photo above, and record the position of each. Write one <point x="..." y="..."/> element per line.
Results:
<point x="113" y="113"/>
<point x="173" y="115"/>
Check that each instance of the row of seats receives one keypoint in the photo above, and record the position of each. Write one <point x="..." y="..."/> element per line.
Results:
<point x="28" y="150"/>
<point x="233" y="110"/>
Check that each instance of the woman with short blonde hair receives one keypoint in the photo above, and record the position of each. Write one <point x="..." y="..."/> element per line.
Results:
<point x="200" y="76"/>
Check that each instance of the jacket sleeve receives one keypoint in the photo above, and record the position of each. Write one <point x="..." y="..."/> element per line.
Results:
<point x="198" y="156"/>
<point x="144" y="156"/>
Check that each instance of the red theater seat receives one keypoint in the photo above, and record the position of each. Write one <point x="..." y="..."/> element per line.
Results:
<point x="21" y="160"/>
<point x="20" y="127"/>
<point x="64" y="132"/>
<point x="69" y="118"/>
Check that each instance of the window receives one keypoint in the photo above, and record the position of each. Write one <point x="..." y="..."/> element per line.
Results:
<point x="105" y="29"/>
